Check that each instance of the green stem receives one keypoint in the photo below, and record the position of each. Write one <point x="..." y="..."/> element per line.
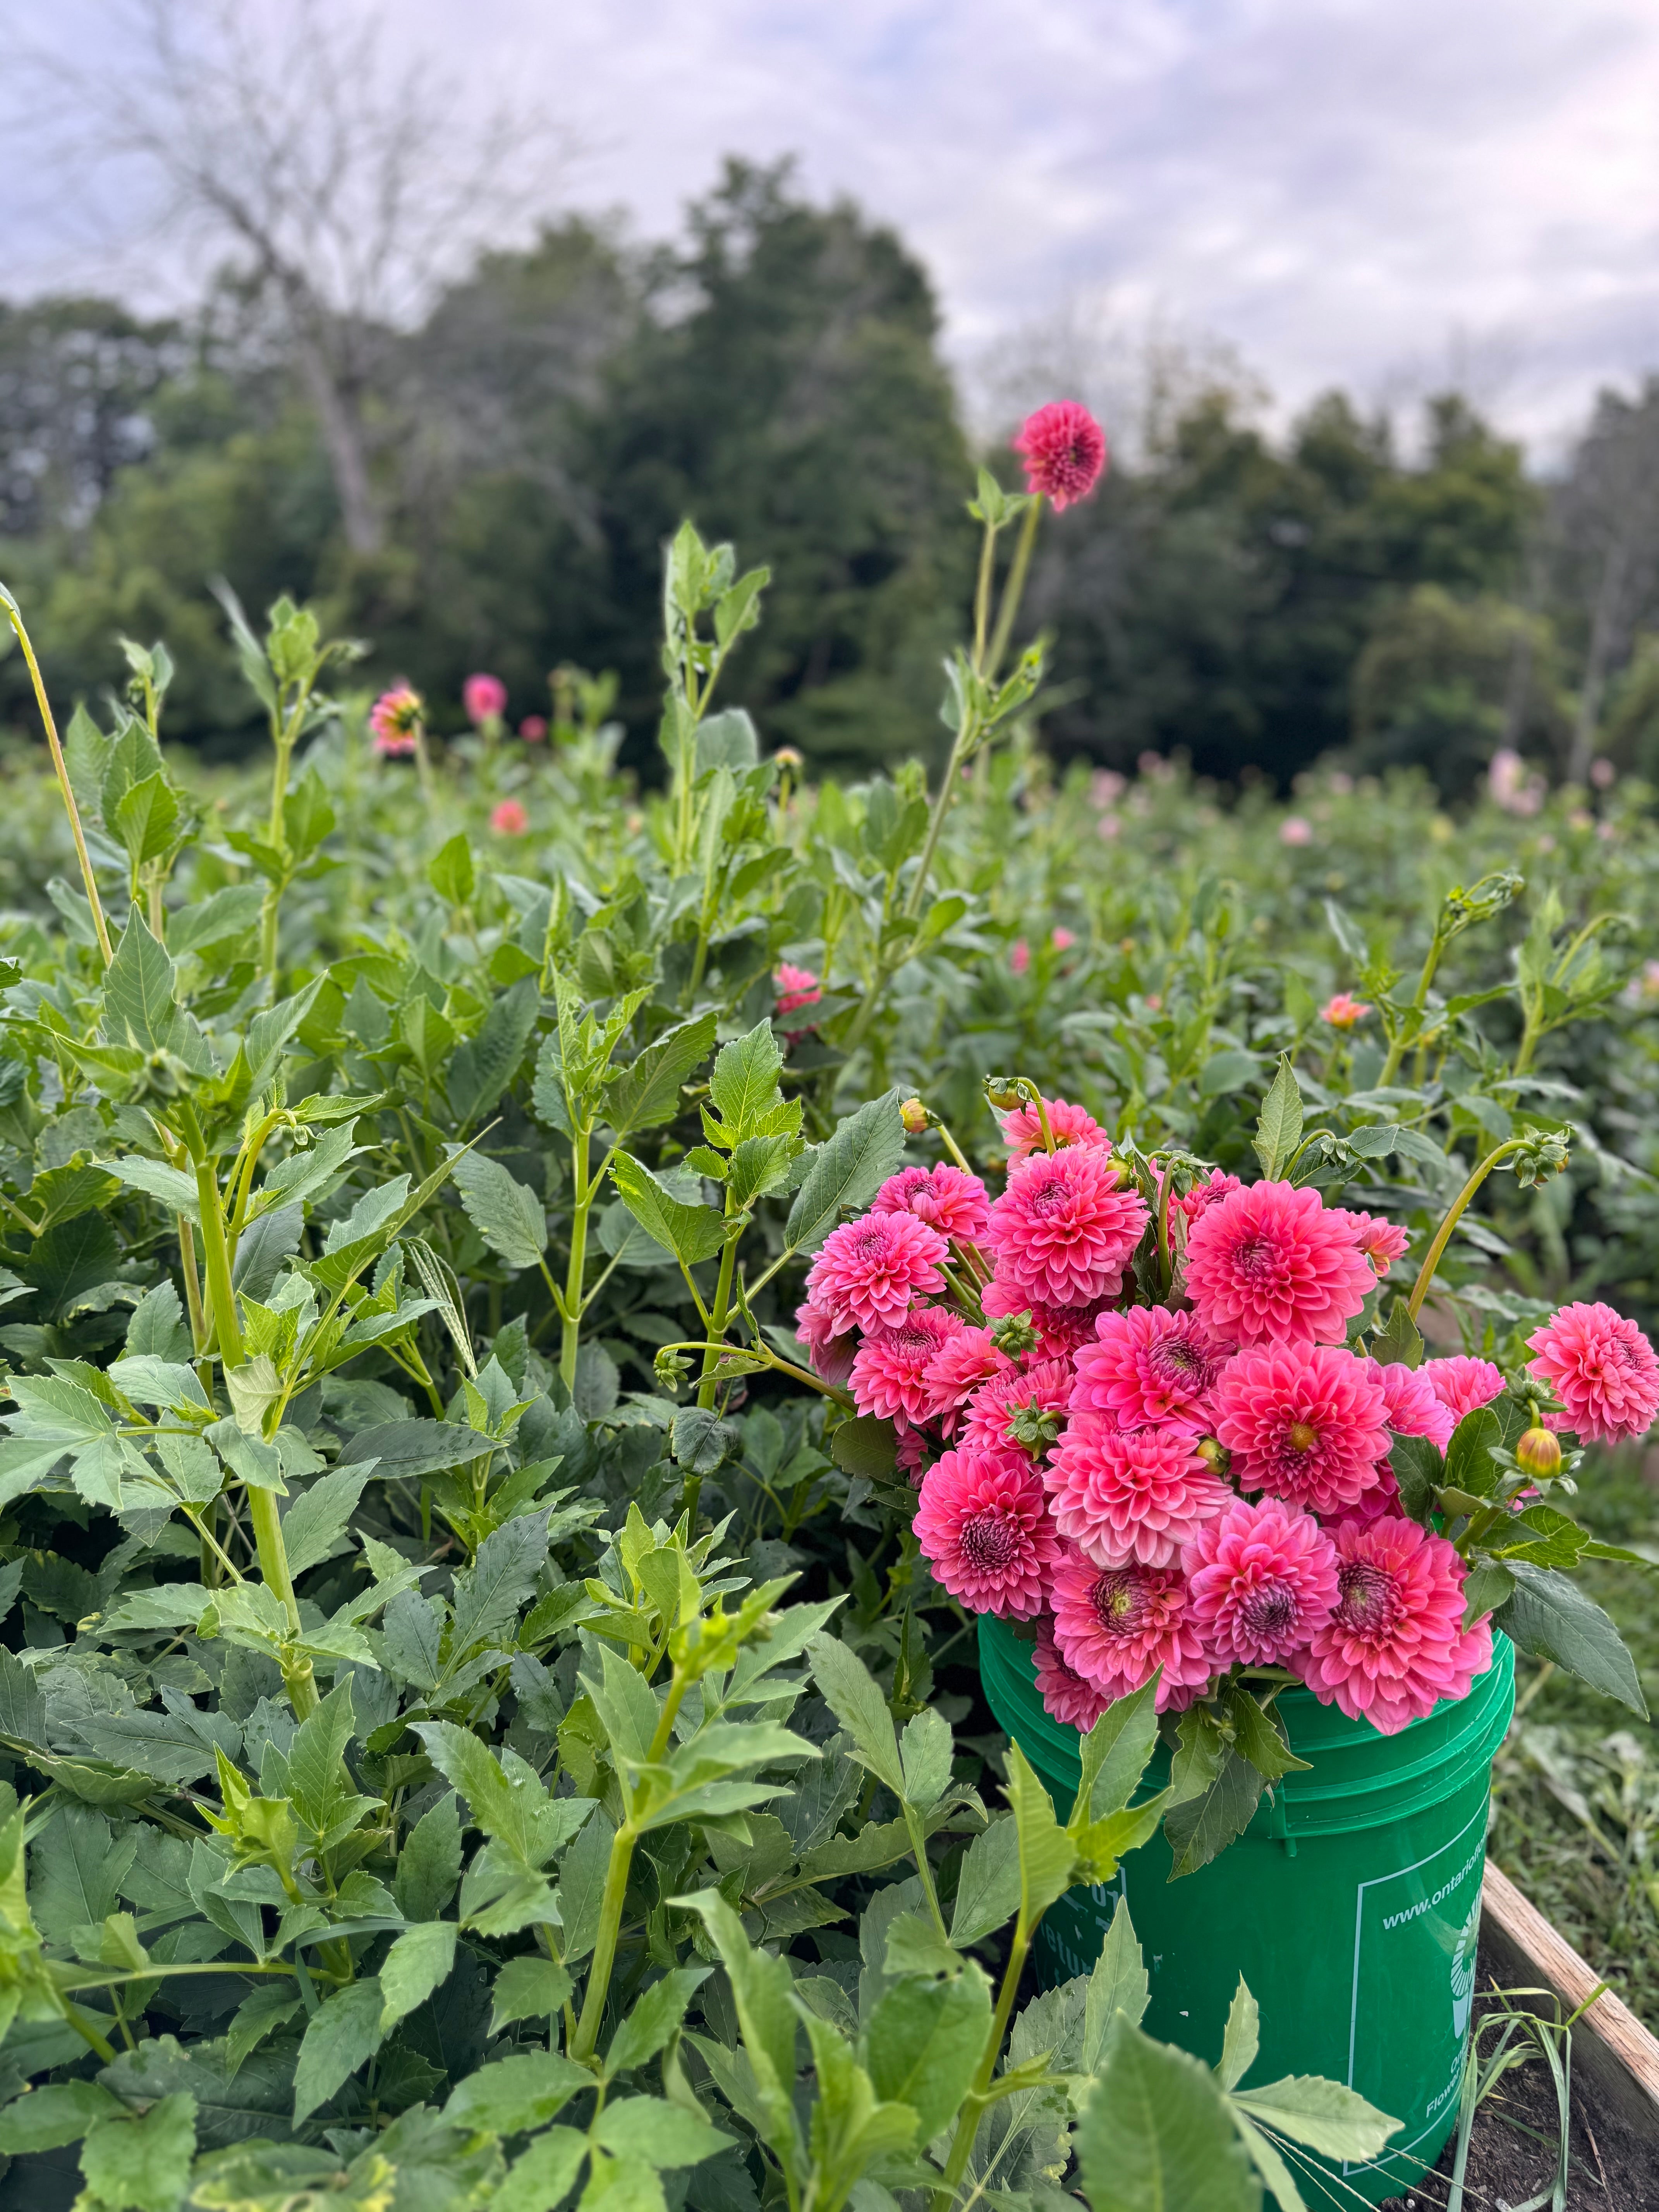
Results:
<point x="581" y="1204"/>
<point x="1402" y="1043"/>
<point x="61" y="771"/>
<point x="1014" y="590"/>
<point x="301" y="1681"/>
<point x="976" y="2100"/>
<point x="717" y="1319"/>
<point x="1455" y="1214"/>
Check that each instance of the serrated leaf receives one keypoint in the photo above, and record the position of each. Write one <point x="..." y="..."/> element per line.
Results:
<point x="646" y="1094"/>
<point x="691" y="1233"/>
<point x="1550" y="1618"/>
<point x="1242" y="2037"/>
<point x="847" y="1170"/>
<point x="506" y="1214"/>
<point x="851" y="1694"/>
<point x="1155" y="2135"/>
<point x="1118" y="1984"/>
<point x="141" y="2162"/>
<point x="1335" y="2120"/>
<point x="418" y="1962"/>
<point x="342" y="2035"/>
<point x="1278" y="1129"/>
<point x="529" y="1988"/>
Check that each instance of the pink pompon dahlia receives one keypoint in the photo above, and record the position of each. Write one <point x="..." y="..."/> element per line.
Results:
<point x="955" y="1204"/>
<point x="1415" y="1409"/>
<point x="1063" y="1231"/>
<point x="1066" y="1696"/>
<point x="982" y="1523"/>
<point x="957" y="1369"/>
<point x="395" y="718"/>
<point x="833" y="1348"/>
<point x="1382" y="1241"/>
<point x="870" y="1269"/>
<point x="1602" y="1367"/>
<point x="1463" y="1385"/>
<point x="890" y="1368"/>
<point x="1304" y="1422"/>
<point x="1022" y="1130"/>
<point x="1064" y="449"/>
<point x="1139" y="1496"/>
<point x="484" y="699"/>
<point x="1147" y="1365"/>
<point x="508" y="818"/>
<point x="796" y="987"/>
<point x="1059" y="1329"/>
<point x="1020" y="1412"/>
<point x="1270" y="1261"/>
<point x="1395" y="1644"/>
<point x="1117" y="1625"/>
<point x="1262" y="1578"/>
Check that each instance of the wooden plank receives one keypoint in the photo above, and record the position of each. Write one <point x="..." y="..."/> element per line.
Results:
<point x="1609" y="2044"/>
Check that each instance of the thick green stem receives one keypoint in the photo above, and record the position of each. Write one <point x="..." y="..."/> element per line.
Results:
<point x="1455" y="1214"/>
<point x="718" y="1314"/>
<point x="1408" y="1030"/>
<point x="1014" y="590"/>
<point x="604" y="1947"/>
<point x="581" y="1206"/>
<point x="976" y="2100"/>
<point x="62" y="772"/>
<point x="299" y="1679"/>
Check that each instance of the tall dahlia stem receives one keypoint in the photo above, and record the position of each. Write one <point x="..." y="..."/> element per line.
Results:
<point x="61" y="770"/>
<point x="1454" y="1215"/>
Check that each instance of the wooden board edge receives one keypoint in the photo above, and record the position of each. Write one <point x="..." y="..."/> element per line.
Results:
<point x="1609" y="2044"/>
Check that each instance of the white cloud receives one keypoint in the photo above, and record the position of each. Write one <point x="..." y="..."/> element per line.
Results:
<point x="1346" y="190"/>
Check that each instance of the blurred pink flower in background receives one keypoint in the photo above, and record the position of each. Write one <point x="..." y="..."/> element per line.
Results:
<point x="509" y="818"/>
<point x="484" y="699"/>
<point x="533" y="729"/>
<point x="796" y="987"/>
<point x="1510" y="786"/>
<point x="1062" y="940"/>
<point x="1343" y="1011"/>
<point x="1064" y="449"/>
<point x="1293" y="831"/>
<point x="393" y="719"/>
<point x="1603" y="775"/>
<point x="1107" y="786"/>
<point x="1019" y="955"/>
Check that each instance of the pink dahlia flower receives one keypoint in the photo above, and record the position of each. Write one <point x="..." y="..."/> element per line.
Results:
<point x="1270" y="1261"/>
<point x="1203" y="1195"/>
<point x="1066" y="1696"/>
<point x="1342" y="1013"/>
<point x="1139" y="1496"/>
<point x="1117" y="1625"/>
<point x="833" y="1349"/>
<point x="1063" y="1231"/>
<point x="1415" y="1409"/>
<point x="957" y="1369"/>
<point x="1602" y="1367"/>
<point x="1293" y="831"/>
<point x="870" y="1269"/>
<point x="982" y="1523"/>
<point x="910" y="1450"/>
<point x="1381" y="1501"/>
<point x="1022" y="1131"/>
<point x="1262" y="1578"/>
<point x="796" y="987"/>
<point x="1064" y="449"/>
<point x="533" y="729"/>
<point x="1020" y="1412"/>
<point x="1383" y="1243"/>
<point x="484" y="698"/>
<point x="1062" y="940"/>
<point x="1463" y="1385"/>
<point x="955" y="1204"/>
<point x="1304" y="1422"/>
<point x="1395" y="1644"/>
<point x="394" y="718"/>
<point x="1147" y="1365"/>
<point x="890" y="1368"/>
<point x="509" y="818"/>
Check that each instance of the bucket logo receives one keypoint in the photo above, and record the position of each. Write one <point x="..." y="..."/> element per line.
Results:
<point x="1462" y="1970"/>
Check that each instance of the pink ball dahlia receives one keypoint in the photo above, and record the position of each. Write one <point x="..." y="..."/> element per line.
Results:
<point x="1602" y="1367"/>
<point x="1020" y="1412"/>
<point x="1262" y="1578"/>
<point x="1117" y="1625"/>
<point x="1343" y="1011"/>
<point x="1415" y="1407"/>
<point x="1063" y="1230"/>
<point x="484" y="698"/>
<point x="982" y="1523"/>
<point x="955" y="1204"/>
<point x="870" y="1269"/>
<point x="1147" y="1365"/>
<point x="1463" y="1385"/>
<point x="1304" y="1422"/>
<point x="1270" y="1261"/>
<point x="1395" y="1644"/>
<point x="796" y="987"/>
<point x="1065" y="1694"/>
<point x="832" y="1348"/>
<point x="957" y="1369"/>
<point x="890" y="1368"/>
<point x="1022" y="1131"/>
<point x="1064" y="450"/>
<point x="1138" y="1496"/>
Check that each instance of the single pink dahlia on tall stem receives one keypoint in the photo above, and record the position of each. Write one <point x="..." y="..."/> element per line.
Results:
<point x="1262" y="1578"/>
<point x="1139" y="1495"/>
<point x="1270" y="1262"/>
<point x="1146" y="1366"/>
<point x="1302" y="1421"/>
<point x="1064" y="450"/>
<point x="1462" y="1385"/>
<point x="870" y="1269"/>
<point x="484" y="699"/>
<point x="890" y="1369"/>
<point x="1117" y="1625"/>
<point x="956" y="1204"/>
<point x="1063" y="1231"/>
<point x="1395" y="1644"/>
<point x="983" y="1527"/>
<point x="1602" y="1367"/>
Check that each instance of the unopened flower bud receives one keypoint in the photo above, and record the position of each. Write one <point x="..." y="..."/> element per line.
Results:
<point x="915" y="1116"/>
<point x="786" y="757"/>
<point x="1214" y="1453"/>
<point x="1003" y="1093"/>
<point x="1538" y="1453"/>
<point x="1013" y="1335"/>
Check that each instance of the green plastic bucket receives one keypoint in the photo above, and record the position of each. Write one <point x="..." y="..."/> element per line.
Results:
<point x="1351" y="1905"/>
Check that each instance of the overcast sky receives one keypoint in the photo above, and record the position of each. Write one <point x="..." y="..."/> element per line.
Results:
<point x="1354" y="192"/>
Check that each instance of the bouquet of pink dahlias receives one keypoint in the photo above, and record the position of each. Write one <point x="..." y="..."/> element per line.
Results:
<point x="1144" y="1423"/>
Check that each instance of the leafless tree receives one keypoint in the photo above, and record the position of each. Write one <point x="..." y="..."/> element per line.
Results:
<point x="1606" y="525"/>
<point x="347" y="184"/>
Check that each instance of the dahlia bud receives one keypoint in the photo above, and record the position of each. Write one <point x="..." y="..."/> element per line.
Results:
<point x="1013" y="1335"/>
<point x="1004" y="1092"/>
<point x="787" y="757"/>
<point x="1034" y="1428"/>
<point x="915" y="1116"/>
<point x="1538" y="1453"/>
<point x="1214" y="1453"/>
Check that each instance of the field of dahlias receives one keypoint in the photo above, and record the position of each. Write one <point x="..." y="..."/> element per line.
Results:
<point x="545" y="1307"/>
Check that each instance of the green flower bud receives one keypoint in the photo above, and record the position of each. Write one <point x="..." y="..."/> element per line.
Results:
<point x="1539" y="1452"/>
